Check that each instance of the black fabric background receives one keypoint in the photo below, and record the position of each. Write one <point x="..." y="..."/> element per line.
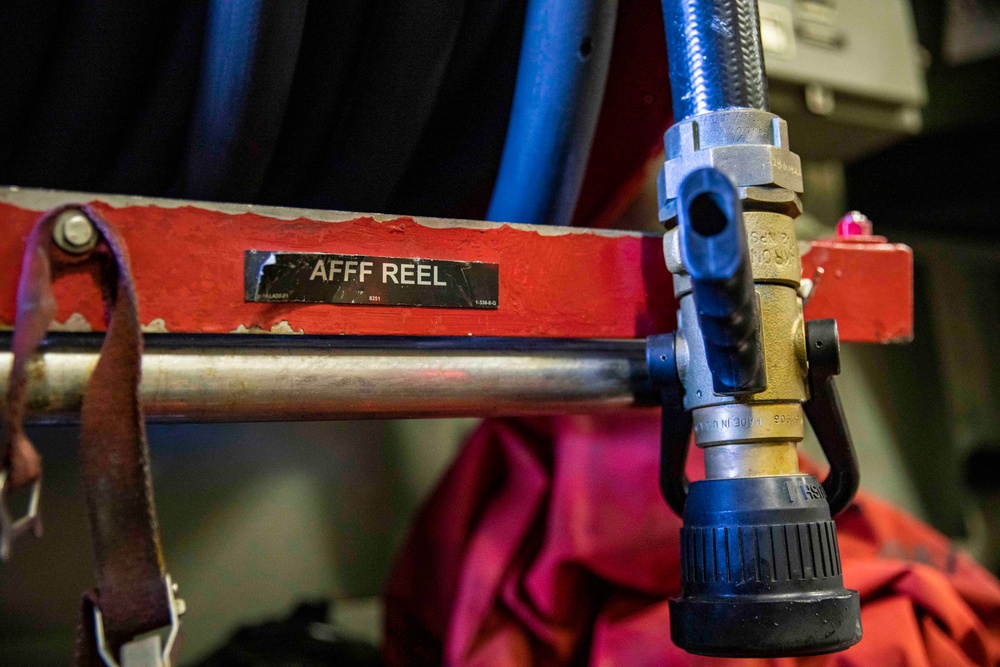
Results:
<point x="395" y="106"/>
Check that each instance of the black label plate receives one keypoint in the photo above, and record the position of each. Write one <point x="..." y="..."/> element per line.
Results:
<point x="309" y="277"/>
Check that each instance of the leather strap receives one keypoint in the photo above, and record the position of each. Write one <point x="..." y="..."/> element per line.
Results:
<point x="114" y="457"/>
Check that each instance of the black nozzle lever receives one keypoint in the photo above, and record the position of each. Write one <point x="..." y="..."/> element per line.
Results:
<point x="661" y="359"/>
<point x="826" y="416"/>
<point x="713" y="247"/>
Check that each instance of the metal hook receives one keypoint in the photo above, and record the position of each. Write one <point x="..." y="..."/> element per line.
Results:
<point x="148" y="650"/>
<point x="10" y="528"/>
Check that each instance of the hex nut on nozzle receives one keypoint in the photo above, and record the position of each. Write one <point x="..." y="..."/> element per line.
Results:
<point x="749" y="145"/>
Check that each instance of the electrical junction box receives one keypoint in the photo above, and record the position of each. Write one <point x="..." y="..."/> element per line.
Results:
<point x="846" y="74"/>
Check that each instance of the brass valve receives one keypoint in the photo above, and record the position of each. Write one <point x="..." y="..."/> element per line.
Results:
<point x="760" y="565"/>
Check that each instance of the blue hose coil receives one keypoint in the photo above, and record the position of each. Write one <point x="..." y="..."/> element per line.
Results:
<point x="560" y="83"/>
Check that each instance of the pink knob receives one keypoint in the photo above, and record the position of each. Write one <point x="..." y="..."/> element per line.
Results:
<point x="854" y="223"/>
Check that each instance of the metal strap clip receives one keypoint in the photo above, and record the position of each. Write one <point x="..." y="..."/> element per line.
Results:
<point x="10" y="528"/>
<point x="147" y="650"/>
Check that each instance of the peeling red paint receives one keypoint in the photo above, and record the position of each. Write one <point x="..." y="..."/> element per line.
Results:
<point x="188" y="268"/>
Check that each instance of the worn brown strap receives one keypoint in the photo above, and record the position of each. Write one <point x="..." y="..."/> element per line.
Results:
<point x="114" y="457"/>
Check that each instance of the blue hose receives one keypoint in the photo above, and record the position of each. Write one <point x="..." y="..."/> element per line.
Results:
<point x="715" y="55"/>
<point x="560" y="82"/>
<point x="251" y="47"/>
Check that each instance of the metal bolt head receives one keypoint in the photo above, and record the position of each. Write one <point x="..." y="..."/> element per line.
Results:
<point x="74" y="233"/>
<point x="820" y="100"/>
<point x="854" y="223"/>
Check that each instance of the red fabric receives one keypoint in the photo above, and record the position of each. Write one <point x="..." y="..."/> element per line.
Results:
<point x="548" y="543"/>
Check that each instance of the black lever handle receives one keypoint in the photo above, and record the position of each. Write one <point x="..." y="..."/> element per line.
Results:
<point x="827" y="416"/>
<point x="714" y="250"/>
<point x="675" y="431"/>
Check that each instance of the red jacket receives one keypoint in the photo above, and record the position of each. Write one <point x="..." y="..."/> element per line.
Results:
<point x="548" y="543"/>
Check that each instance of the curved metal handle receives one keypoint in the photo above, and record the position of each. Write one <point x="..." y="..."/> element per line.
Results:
<point x="675" y="434"/>
<point x="826" y="415"/>
<point x="10" y="527"/>
<point x="675" y="440"/>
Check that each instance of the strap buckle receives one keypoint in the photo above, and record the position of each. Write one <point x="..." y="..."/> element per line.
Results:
<point x="11" y="528"/>
<point x="149" y="649"/>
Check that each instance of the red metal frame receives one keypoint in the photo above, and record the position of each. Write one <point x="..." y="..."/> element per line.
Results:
<point x="187" y="260"/>
<point x="865" y="283"/>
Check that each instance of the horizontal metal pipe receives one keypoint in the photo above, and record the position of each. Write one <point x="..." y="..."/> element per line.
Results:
<point x="279" y="378"/>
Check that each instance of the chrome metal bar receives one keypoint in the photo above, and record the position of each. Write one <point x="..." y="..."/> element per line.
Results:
<point x="278" y="378"/>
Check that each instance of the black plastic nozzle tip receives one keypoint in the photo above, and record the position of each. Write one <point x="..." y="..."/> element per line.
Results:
<point x="761" y="572"/>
